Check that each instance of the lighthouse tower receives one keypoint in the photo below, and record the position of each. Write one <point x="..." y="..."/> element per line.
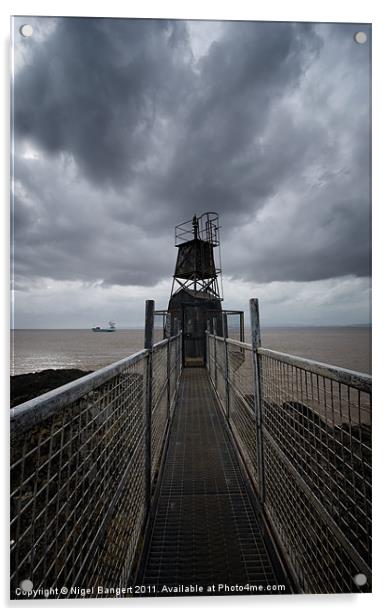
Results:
<point x="195" y="296"/>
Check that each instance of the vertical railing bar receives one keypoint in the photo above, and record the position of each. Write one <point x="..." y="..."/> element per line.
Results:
<point x="148" y="344"/>
<point x="208" y="345"/>
<point x="34" y="504"/>
<point x="226" y="362"/>
<point x="175" y="329"/>
<point x="256" y="344"/>
<point x="48" y="475"/>
<point x="224" y="325"/>
<point x="215" y="352"/>
<point x="168" y="368"/>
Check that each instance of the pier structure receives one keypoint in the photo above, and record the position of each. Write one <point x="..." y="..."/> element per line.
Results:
<point x="202" y="464"/>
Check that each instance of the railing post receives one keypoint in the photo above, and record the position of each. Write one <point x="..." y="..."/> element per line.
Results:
<point x="226" y="362"/>
<point x="175" y="329"/>
<point x="224" y="325"/>
<point x="242" y="328"/>
<point x="215" y="351"/>
<point x="256" y="343"/>
<point x="148" y="344"/>
<point x="168" y="336"/>
<point x="208" y="346"/>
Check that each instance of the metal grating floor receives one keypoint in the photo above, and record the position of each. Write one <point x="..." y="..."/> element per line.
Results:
<point x="205" y="530"/>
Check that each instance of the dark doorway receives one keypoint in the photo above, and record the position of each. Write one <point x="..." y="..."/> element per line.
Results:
<point x="194" y="326"/>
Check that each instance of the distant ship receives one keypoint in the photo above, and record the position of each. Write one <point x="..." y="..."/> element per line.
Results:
<point x="111" y="328"/>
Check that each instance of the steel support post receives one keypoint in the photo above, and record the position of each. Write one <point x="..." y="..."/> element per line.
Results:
<point x="257" y="382"/>
<point x="148" y="344"/>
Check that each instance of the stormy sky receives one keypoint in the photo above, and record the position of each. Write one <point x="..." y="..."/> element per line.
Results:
<point x="124" y="128"/>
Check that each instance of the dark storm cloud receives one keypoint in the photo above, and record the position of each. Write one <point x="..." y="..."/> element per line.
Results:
<point x="270" y="128"/>
<point x="218" y="161"/>
<point x="93" y="90"/>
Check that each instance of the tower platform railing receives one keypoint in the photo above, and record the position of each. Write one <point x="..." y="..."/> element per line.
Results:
<point x="303" y="431"/>
<point x="84" y="463"/>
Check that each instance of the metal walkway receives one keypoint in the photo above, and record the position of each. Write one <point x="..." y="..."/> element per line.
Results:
<point x="205" y="530"/>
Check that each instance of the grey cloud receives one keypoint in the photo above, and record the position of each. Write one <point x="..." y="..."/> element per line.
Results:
<point x="218" y="159"/>
<point x="302" y="254"/>
<point x="270" y="128"/>
<point x="93" y="89"/>
<point x="67" y="233"/>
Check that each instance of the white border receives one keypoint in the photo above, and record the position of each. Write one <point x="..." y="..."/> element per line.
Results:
<point x="277" y="10"/>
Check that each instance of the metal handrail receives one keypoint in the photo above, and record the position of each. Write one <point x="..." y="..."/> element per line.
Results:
<point x="26" y="415"/>
<point x="80" y="466"/>
<point x="353" y="378"/>
<point x="303" y="430"/>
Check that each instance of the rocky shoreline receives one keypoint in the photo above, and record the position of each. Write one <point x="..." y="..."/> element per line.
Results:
<point x="27" y="386"/>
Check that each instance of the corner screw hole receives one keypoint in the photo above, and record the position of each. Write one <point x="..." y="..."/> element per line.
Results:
<point x="26" y="30"/>
<point x="360" y="38"/>
<point x="360" y="579"/>
<point x="26" y="585"/>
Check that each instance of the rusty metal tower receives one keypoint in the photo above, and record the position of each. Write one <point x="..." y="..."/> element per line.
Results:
<point x="195" y="294"/>
<point x="196" y="267"/>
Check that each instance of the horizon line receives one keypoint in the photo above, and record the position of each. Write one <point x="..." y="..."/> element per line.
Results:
<point x="141" y="327"/>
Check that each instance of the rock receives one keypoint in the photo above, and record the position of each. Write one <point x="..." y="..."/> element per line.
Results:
<point x="27" y="386"/>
